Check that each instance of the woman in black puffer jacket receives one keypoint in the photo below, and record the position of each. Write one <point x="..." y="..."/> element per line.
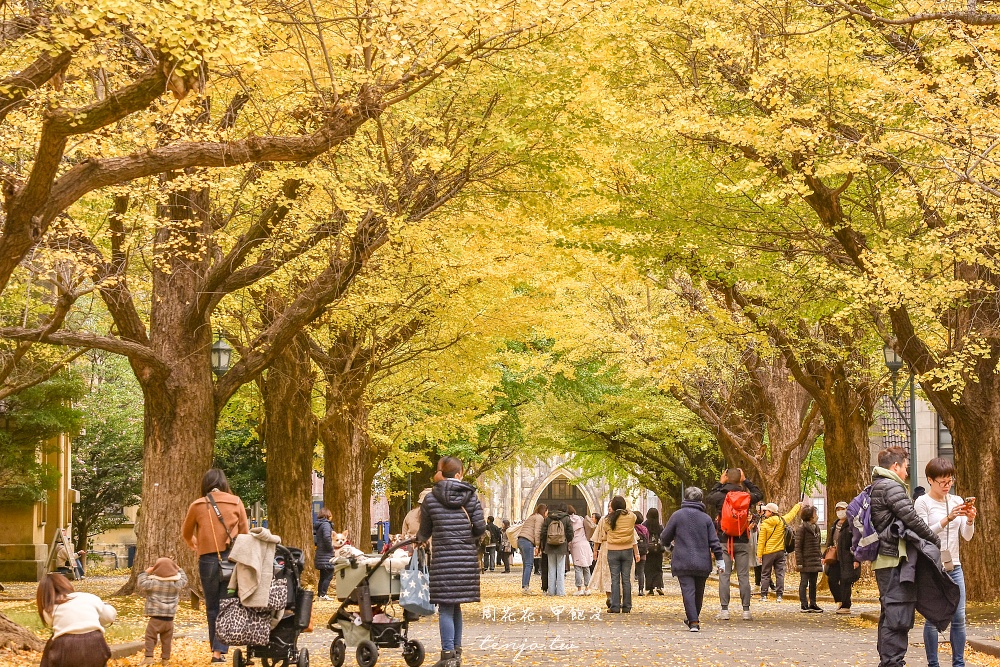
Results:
<point x="323" y="539"/>
<point x="808" y="559"/>
<point x="453" y="516"/>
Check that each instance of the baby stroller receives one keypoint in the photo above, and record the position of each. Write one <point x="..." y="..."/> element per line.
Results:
<point x="281" y="647"/>
<point x="367" y="588"/>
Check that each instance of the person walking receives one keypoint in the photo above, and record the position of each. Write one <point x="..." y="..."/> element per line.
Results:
<point x="323" y="539"/>
<point x="557" y="534"/>
<point x="210" y="528"/>
<point x="622" y="552"/>
<point x="890" y="502"/>
<point x="581" y="551"/>
<point x="642" y="537"/>
<point x="735" y="490"/>
<point x="493" y="548"/>
<point x="529" y="539"/>
<point x="77" y="621"/>
<point x="654" y="559"/>
<point x="808" y="559"/>
<point x="952" y="519"/>
<point x="505" y="549"/>
<point x="453" y="516"/>
<point x="771" y="548"/>
<point x="161" y="584"/>
<point x="695" y="540"/>
<point x="842" y="570"/>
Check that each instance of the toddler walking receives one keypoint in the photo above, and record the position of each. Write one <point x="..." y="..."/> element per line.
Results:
<point x="161" y="584"/>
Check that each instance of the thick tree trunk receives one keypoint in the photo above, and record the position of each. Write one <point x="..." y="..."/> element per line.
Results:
<point x="847" y="418"/>
<point x="346" y="464"/>
<point x="975" y="429"/>
<point x="290" y="440"/>
<point x="14" y="637"/>
<point x="179" y="419"/>
<point x="178" y="449"/>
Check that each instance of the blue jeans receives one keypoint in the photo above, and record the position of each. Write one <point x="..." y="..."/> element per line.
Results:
<point x="325" y="577"/>
<point x="450" y="625"/>
<point x="620" y="563"/>
<point x="957" y="628"/>
<point x="527" y="558"/>
<point x="557" y="574"/>
<point x="211" y="586"/>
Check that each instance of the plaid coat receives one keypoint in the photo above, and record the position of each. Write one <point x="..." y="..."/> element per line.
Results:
<point x="162" y="595"/>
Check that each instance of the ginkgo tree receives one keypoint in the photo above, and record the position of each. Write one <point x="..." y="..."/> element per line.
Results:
<point x="165" y="192"/>
<point x="872" y="131"/>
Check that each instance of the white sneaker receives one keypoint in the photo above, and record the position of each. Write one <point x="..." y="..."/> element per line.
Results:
<point x="527" y="591"/>
<point x="579" y="592"/>
<point x="747" y="616"/>
<point x="777" y="599"/>
<point x="723" y="615"/>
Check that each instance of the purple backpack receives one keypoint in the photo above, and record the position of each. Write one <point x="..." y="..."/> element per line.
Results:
<point x="864" y="537"/>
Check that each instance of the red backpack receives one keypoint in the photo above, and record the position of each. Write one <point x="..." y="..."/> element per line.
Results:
<point x="734" y="519"/>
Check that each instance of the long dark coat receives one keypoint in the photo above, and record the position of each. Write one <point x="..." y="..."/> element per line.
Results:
<point x="654" y="561"/>
<point x="453" y="516"/>
<point x="845" y="557"/>
<point x="324" y="543"/>
<point x="808" y="556"/>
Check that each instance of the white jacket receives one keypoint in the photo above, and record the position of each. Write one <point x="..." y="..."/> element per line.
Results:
<point x="80" y="614"/>
<point x="253" y="554"/>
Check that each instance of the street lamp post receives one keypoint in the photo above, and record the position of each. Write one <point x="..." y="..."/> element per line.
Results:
<point x="894" y="363"/>
<point x="222" y="354"/>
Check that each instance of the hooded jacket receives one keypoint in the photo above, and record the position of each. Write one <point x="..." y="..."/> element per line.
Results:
<point x="162" y="593"/>
<point x="808" y="556"/>
<point x="891" y="501"/>
<point x="324" y="543"/>
<point x="695" y="540"/>
<point x="453" y="516"/>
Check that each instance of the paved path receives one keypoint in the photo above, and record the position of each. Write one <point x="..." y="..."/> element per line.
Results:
<point x="652" y="634"/>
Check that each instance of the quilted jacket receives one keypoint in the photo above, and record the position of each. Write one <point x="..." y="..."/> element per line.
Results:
<point x="891" y="501"/>
<point x="453" y="516"/>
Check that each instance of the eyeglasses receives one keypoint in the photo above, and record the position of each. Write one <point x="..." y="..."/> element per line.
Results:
<point x="944" y="481"/>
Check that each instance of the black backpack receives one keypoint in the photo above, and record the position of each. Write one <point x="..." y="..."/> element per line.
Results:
<point x="789" y="537"/>
<point x="654" y="544"/>
<point x="643" y="544"/>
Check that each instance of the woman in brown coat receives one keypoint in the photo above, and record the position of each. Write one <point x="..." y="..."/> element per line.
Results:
<point x="808" y="559"/>
<point x="210" y="527"/>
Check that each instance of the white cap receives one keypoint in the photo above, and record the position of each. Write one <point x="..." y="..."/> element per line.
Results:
<point x="771" y="507"/>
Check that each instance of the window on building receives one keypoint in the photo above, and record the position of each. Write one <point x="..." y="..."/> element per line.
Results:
<point x="945" y="448"/>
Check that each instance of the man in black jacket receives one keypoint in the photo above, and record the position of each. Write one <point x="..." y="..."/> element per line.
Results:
<point x="732" y="480"/>
<point x="890" y="502"/>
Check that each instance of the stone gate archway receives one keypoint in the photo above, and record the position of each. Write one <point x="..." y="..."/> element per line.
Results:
<point x="557" y="486"/>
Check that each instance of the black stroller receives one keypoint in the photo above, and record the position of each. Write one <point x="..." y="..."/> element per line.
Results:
<point x="369" y="587"/>
<point x="281" y="647"/>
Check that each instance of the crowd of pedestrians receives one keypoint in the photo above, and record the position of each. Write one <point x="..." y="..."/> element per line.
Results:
<point x="914" y="548"/>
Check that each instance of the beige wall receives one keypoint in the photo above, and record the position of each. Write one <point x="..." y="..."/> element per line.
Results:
<point x="26" y="530"/>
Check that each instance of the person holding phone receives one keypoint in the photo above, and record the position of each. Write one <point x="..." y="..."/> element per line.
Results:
<point x="952" y="518"/>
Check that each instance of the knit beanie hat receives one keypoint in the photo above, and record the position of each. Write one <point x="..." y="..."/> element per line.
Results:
<point x="164" y="568"/>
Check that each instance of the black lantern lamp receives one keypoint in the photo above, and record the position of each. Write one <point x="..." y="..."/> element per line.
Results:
<point x="893" y="361"/>
<point x="222" y="353"/>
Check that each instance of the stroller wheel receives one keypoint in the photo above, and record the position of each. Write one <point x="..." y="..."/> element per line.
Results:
<point x="367" y="653"/>
<point x="303" y="660"/>
<point x="238" y="660"/>
<point x="413" y="653"/>
<point x="338" y="651"/>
